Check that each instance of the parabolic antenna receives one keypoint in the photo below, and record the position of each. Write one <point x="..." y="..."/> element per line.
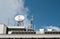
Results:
<point x="19" y="18"/>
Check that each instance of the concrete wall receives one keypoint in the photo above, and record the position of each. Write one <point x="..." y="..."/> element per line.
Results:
<point x="3" y="29"/>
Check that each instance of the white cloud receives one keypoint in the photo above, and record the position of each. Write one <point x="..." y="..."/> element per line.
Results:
<point x="9" y="8"/>
<point x="55" y="28"/>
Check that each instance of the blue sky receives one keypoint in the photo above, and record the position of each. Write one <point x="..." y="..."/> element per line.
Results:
<point x="45" y="12"/>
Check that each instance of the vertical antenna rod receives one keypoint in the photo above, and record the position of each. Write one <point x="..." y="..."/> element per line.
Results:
<point x="31" y="21"/>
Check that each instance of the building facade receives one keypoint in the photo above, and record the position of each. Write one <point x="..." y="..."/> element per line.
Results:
<point x="21" y="32"/>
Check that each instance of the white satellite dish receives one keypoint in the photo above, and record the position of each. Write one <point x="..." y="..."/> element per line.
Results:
<point x="19" y="18"/>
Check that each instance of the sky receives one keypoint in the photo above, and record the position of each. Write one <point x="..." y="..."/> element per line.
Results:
<point x="46" y="13"/>
<point x="9" y="9"/>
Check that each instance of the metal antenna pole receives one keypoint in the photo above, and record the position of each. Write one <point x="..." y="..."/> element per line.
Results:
<point x="31" y="21"/>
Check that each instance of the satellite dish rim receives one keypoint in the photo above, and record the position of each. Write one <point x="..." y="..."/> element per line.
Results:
<point x="19" y="17"/>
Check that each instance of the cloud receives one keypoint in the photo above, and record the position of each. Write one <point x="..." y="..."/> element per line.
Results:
<point x="7" y="10"/>
<point x="10" y="8"/>
<point x="55" y="28"/>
